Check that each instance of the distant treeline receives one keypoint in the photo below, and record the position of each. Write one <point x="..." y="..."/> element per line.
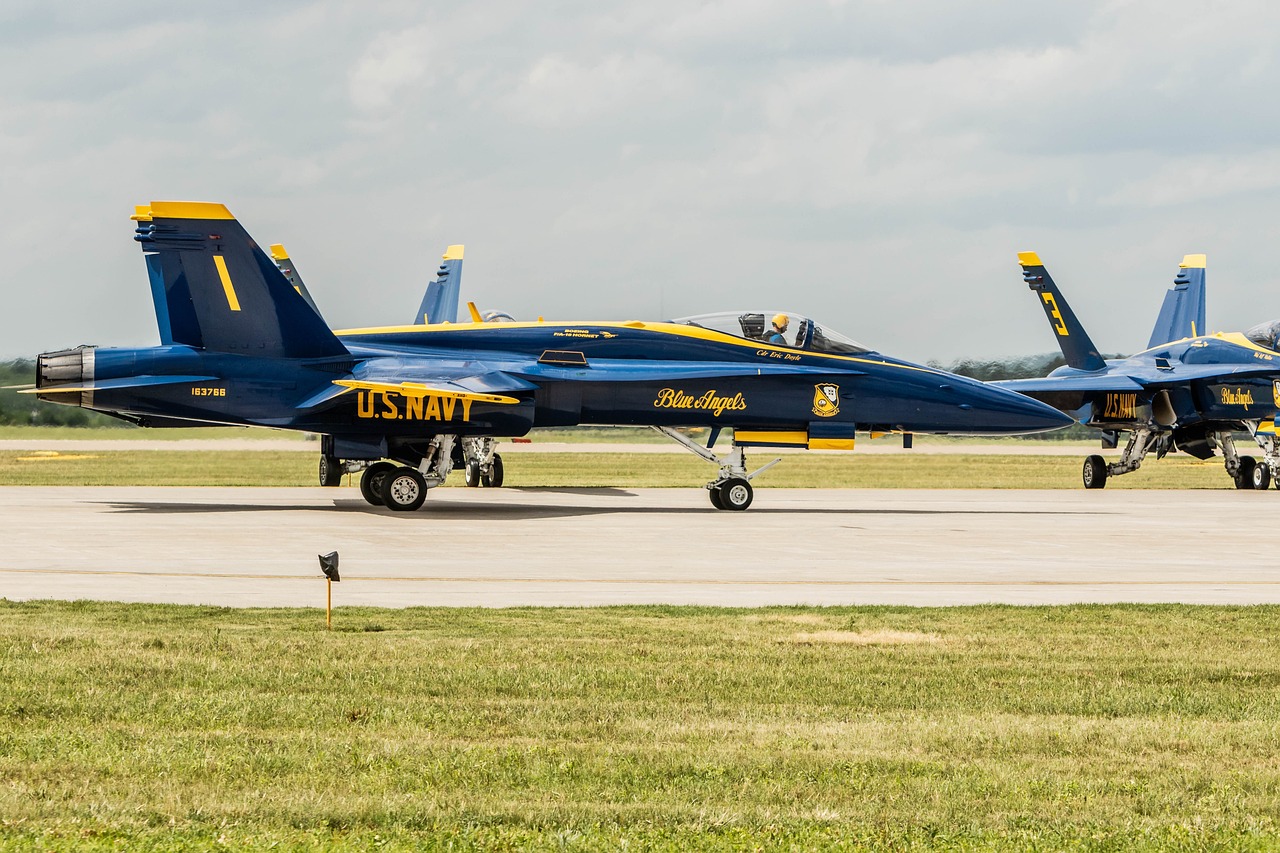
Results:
<point x="1027" y="367"/>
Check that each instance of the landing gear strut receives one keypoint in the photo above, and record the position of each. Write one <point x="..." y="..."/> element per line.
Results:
<point x="482" y="467"/>
<point x="1246" y="471"/>
<point x="732" y="489"/>
<point x="1143" y="441"/>
<point x="1270" y="444"/>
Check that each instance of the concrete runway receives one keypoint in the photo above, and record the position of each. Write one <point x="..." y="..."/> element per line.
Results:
<point x="256" y="547"/>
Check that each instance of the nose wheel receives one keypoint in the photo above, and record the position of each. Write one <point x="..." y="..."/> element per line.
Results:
<point x="733" y="494"/>
<point x="730" y="490"/>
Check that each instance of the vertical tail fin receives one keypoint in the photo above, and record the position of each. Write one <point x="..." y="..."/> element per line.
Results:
<point x="1182" y="313"/>
<point x="1076" y="347"/>
<point x="215" y="289"/>
<point x="290" y="272"/>
<point x="440" y="302"/>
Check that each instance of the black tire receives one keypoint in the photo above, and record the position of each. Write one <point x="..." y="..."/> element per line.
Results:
<point x="736" y="494"/>
<point x="494" y="478"/>
<point x="371" y="481"/>
<point x="330" y="470"/>
<point x="1094" y="473"/>
<point x="1261" y="477"/>
<point x="472" y="473"/>
<point x="716" y="500"/>
<point x="403" y="489"/>
<point x="1244" y="474"/>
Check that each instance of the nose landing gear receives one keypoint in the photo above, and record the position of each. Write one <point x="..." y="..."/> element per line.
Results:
<point x="732" y="489"/>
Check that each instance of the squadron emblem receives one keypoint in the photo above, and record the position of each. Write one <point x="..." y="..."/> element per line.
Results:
<point x="826" y="400"/>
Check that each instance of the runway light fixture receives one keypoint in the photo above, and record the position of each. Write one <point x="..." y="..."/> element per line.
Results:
<point x="329" y="566"/>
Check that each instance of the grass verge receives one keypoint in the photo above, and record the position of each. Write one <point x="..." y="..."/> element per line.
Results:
<point x="1090" y="727"/>
<point x="621" y="470"/>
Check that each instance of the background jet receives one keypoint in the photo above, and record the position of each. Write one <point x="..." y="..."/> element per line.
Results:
<point x="1187" y="391"/>
<point x="241" y="346"/>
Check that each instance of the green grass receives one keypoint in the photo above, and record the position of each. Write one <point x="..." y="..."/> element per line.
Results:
<point x="624" y="470"/>
<point x="1090" y="727"/>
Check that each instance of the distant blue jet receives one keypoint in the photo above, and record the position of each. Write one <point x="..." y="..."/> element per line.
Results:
<point x="240" y="345"/>
<point x="1187" y="391"/>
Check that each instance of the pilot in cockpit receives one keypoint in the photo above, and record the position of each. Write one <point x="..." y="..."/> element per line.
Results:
<point x="780" y="322"/>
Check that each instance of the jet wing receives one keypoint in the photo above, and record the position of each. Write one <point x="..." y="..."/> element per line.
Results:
<point x="423" y="389"/>
<point x="1102" y="382"/>
<point x="1147" y="376"/>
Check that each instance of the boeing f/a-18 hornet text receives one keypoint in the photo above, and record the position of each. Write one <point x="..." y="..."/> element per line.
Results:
<point x="1186" y="391"/>
<point x="242" y="344"/>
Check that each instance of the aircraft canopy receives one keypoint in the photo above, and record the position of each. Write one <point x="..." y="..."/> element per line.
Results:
<point x="802" y="332"/>
<point x="1266" y="335"/>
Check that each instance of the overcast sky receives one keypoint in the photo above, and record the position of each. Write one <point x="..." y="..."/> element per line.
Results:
<point x="876" y="165"/>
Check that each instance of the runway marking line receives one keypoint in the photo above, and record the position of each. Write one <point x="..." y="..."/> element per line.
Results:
<point x="636" y="581"/>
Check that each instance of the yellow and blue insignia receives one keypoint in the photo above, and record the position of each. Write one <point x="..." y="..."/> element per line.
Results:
<point x="1275" y="393"/>
<point x="826" y="399"/>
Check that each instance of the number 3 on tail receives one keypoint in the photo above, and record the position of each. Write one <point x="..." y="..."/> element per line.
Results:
<point x="1059" y="325"/>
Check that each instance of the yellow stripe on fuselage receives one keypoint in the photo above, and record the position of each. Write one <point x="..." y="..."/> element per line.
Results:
<point x="227" y="286"/>
<point x="797" y="438"/>
<point x="678" y="329"/>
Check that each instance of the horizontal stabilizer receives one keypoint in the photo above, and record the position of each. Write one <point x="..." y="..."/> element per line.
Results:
<point x="118" y="384"/>
<point x="1182" y="313"/>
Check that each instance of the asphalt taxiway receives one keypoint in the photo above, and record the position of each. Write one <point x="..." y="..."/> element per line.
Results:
<point x="257" y="547"/>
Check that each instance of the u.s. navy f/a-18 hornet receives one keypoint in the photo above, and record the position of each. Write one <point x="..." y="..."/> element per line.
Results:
<point x="1186" y="391"/>
<point x="240" y="345"/>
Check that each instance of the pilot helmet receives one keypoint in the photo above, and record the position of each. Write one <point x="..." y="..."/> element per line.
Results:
<point x="780" y="320"/>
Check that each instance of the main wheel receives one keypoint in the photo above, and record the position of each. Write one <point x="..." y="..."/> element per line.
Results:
<point x="716" y="500"/>
<point x="1095" y="472"/>
<point x="472" y="473"/>
<point x="403" y="489"/>
<point x="371" y="481"/>
<point x="494" y="478"/>
<point x="1244" y="474"/>
<point x="1261" y="477"/>
<point x="735" y="494"/>
<point x="330" y="470"/>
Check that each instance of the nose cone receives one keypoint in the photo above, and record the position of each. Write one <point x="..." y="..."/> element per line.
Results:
<point x="990" y="410"/>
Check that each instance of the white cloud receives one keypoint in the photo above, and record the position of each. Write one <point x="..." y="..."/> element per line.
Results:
<point x="393" y="64"/>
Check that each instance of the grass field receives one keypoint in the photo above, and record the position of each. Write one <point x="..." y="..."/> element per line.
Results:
<point x="625" y="470"/>
<point x="1093" y="727"/>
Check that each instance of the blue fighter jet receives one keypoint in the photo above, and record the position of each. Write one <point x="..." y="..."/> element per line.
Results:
<point x="242" y="346"/>
<point x="1187" y="391"/>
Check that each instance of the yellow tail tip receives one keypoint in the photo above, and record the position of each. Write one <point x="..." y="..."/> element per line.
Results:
<point x="1029" y="259"/>
<point x="453" y="253"/>
<point x="1198" y="262"/>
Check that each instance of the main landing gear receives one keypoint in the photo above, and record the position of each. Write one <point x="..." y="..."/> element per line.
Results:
<point x="732" y="489"/>
<point x="481" y="466"/>
<point x="1268" y="470"/>
<point x="1143" y="441"/>
<point x="403" y="487"/>
<point x="1245" y="471"/>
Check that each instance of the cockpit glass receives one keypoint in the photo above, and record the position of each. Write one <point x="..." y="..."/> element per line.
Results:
<point x="781" y="328"/>
<point x="1266" y="335"/>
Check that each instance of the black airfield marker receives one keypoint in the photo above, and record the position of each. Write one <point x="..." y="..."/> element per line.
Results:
<point x="329" y="565"/>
